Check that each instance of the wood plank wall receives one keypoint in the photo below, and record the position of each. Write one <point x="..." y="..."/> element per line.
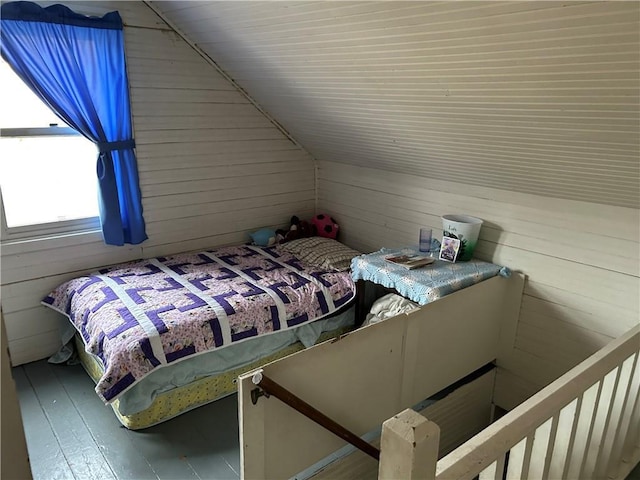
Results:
<point x="212" y="168"/>
<point x="410" y="107"/>
<point x="570" y="107"/>
<point x="581" y="259"/>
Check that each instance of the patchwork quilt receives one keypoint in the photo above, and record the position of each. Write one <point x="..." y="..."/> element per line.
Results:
<point x="148" y="314"/>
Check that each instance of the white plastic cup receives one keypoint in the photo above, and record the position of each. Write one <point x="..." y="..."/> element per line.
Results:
<point x="466" y="229"/>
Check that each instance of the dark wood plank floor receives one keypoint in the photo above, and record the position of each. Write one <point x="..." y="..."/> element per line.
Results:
<point x="71" y="434"/>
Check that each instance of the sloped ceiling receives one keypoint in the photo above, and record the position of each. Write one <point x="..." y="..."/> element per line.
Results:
<point x="537" y="97"/>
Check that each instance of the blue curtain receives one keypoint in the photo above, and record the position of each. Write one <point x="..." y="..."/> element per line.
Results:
<point x="76" y="65"/>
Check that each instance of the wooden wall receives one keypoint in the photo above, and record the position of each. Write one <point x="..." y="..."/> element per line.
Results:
<point x="212" y="168"/>
<point x="14" y="458"/>
<point x="580" y="259"/>
<point x="522" y="113"/>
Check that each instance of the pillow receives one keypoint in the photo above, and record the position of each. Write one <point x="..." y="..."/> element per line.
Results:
<point x="264" y="237"/>
<point x="321" y="252"/>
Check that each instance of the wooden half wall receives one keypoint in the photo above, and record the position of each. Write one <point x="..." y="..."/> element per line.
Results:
<point x="581" y="260"/>
<point x="371" y="374"/>
<point x="14" y="457"/>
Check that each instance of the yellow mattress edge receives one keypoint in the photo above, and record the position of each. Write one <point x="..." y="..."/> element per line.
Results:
<point x="193" y="395"/>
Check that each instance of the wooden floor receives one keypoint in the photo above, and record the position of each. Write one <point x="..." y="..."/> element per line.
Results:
<point x="72" y="435"/>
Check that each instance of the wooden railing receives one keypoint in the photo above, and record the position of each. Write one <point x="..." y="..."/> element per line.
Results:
<point x="268" y="387"/>
<point x="585" y="425"/>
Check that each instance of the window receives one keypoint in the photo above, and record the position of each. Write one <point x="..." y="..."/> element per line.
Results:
<point x="48" y="181"/>
<point x="77" y="65"/>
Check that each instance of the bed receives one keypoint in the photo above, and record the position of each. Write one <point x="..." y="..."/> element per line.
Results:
<point x="162" y="336"/>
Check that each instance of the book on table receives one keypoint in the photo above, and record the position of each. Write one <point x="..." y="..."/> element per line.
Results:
<point x="410" y="261"/>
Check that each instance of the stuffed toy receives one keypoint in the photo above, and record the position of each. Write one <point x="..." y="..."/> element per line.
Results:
<point x="297" y="229"/>
<point x="325" y="226"/>
<point x="265" y="237"/>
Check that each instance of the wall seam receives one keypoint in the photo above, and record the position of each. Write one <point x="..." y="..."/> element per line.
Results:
<point x="242" y="91"/>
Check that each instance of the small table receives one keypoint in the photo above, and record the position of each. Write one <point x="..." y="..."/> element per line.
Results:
<point x="421" y="285"/>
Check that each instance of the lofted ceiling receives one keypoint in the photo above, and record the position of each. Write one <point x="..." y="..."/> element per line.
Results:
<point x="536" y="97"/>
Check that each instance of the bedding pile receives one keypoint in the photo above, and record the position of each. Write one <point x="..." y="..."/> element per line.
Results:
<point x="144" y="315"/>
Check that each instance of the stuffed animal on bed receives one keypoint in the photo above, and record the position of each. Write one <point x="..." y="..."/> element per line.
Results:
<point x="265" y="237"/>
<point x="297" y="229"/>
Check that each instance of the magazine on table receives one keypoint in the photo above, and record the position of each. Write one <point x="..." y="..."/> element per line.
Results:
<point x="410" y="261"/>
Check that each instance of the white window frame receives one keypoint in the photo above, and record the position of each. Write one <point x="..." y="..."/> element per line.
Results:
<point x="44" y="230"/>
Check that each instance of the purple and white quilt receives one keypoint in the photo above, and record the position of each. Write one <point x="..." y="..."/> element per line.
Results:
<point x="147" y="314"/>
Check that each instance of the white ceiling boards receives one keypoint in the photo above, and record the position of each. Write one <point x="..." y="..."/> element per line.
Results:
<point x="536" y="97"/>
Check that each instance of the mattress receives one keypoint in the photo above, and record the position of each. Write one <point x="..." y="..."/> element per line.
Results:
<point x="165" y="400"/>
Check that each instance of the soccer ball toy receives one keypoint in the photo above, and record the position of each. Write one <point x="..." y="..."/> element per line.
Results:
<point x="325" y="226"/>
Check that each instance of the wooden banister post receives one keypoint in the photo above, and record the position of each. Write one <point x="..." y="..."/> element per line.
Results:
<point x="408" y="447"/>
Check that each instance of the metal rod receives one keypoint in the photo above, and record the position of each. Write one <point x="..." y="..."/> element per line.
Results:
<point x="284" y="395"/>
